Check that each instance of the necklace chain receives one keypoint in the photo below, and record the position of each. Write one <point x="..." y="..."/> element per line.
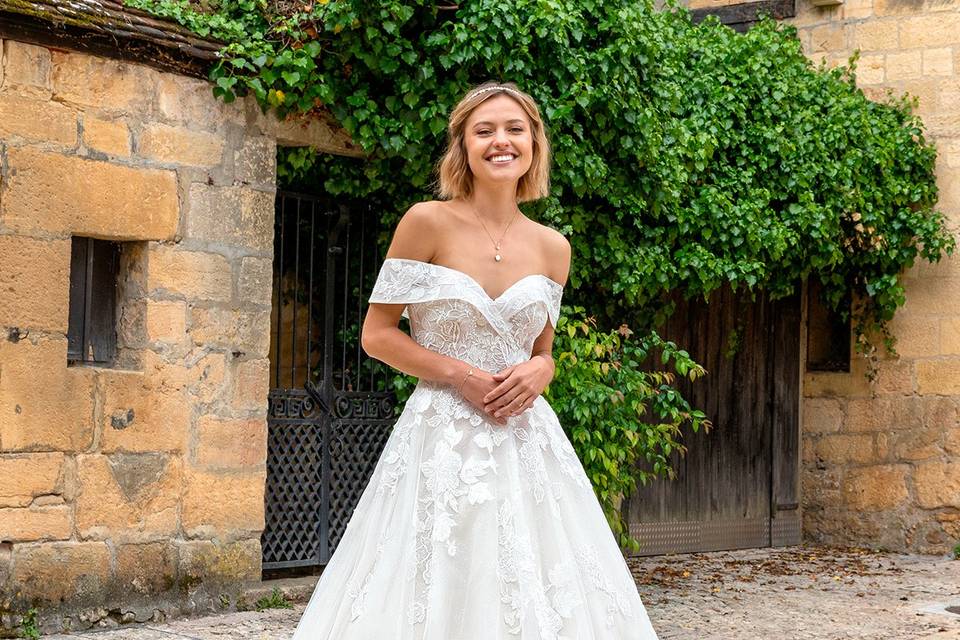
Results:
<point x="496" y="243"/>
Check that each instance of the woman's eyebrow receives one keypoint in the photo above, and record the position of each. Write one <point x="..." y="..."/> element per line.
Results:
<point x="488" y="123"/>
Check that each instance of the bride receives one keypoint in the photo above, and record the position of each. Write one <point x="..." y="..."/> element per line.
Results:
<point x="478" y="522"/>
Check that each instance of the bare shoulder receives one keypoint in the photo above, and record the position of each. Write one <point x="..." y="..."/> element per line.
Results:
<point x="556" y="250"/>
<point x="416" y="232"/>
<point x="422" y="216"/>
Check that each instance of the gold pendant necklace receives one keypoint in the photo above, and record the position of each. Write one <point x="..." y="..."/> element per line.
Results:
<point x="496" y="243"/>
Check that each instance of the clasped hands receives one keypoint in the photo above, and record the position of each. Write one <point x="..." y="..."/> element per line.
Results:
<point x="511" y="391"/>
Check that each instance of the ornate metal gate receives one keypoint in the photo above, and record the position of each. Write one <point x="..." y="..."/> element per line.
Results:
<point x="329" y="414"/>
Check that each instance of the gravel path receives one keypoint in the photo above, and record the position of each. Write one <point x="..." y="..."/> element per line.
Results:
<point x="794" y="593"/>
<point x="800" y="593"/>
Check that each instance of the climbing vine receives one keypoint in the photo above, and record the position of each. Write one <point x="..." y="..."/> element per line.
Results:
<point x="686" y="156"/>
<point x="624" y="422"/>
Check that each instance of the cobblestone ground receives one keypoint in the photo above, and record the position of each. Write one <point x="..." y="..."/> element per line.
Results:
<point x="800" y="593"/>
<point x="797" y="593"/>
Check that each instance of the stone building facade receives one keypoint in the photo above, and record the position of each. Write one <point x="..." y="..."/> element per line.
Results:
<point x="133" y="488"/>
<point x="881" y="461"/>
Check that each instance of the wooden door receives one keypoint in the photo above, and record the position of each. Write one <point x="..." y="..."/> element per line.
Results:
<point x="737" y="486"/>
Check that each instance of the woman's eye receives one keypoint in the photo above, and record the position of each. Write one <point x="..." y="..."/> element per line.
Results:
<point x="484" y="132"/>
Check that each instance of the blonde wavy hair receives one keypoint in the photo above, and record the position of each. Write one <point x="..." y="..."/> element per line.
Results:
<point x="454" y="176"/>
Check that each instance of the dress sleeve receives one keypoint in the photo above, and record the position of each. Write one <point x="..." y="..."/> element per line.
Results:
<point x="543" y="291"/>
<point x="401" y="282"/>
<point x="555" y="293"/>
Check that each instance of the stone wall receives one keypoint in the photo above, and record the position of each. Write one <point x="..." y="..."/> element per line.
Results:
<point x="133" y="491"/>
<point x="881" y="463"/>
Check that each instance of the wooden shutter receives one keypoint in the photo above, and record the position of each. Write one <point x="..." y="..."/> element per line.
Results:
<point x="92" y="325"/>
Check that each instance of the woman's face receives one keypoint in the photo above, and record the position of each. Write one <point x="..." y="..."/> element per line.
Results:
<point x="498" y="141"/>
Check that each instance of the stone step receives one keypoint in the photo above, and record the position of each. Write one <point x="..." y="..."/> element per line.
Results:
<point x="293" y="589"/>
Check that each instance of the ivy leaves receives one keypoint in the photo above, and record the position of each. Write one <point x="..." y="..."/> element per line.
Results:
<point x="685" y="156"/>
<point x="624" y="422"/>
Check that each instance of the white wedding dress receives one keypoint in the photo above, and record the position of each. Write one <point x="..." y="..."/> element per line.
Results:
<point x="469" y="530"/>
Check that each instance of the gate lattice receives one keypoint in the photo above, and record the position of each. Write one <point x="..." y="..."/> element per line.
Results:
<point x="329" y="412"/>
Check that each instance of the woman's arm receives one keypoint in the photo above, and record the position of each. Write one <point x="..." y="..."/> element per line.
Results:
<point x="520" y="385"/>
<point x="382" y="339"/>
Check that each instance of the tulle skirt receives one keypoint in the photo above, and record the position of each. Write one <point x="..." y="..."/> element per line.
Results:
<point x="469" y="530"/>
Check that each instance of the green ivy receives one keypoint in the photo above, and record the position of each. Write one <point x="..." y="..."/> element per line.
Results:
<point x="240" y="25"/>
<point x="624" y="422"/>
<point x="687" y="156"/>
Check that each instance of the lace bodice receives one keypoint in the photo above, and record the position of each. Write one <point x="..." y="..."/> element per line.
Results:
<point x="452" y="314"/>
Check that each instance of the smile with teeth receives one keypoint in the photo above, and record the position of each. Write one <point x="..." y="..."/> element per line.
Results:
<point x="502" y="158"/>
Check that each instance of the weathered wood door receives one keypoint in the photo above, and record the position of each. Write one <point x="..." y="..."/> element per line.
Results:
<point x="737" y="486"/>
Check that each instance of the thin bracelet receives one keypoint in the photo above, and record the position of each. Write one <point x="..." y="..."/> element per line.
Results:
<point x="469" y="373"/>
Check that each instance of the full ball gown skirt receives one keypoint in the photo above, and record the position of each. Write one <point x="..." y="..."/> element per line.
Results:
<point x="469" y="530"/>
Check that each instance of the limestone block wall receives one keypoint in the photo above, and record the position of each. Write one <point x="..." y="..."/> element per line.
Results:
<point x="129" y="491"/>
<point x="881" y="463"/>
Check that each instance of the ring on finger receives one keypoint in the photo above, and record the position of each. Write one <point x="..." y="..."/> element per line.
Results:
<point x="519" y="407"/>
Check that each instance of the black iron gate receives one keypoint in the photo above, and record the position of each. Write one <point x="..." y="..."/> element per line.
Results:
<point x="329" y="414"/>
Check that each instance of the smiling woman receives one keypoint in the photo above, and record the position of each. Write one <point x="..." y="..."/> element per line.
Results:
<point x="496" y="118"/>
<point x="479" y="522"/>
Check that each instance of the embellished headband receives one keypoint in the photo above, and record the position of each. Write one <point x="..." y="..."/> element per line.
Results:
<point x="495" y="87"/>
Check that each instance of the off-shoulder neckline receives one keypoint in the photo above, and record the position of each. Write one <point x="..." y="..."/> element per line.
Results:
<point x="475" y="282"/>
